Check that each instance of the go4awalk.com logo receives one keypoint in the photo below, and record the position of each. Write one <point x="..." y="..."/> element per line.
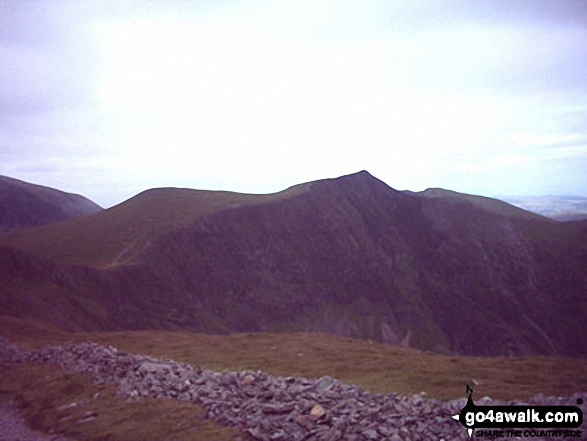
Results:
<point x="520" y="421"/>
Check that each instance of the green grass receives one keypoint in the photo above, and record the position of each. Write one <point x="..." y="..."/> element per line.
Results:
<point x="40" y="390"/>
<point x="374" y="366"/>
<point x="114" y="236"/>
<point x="44" y="393"/>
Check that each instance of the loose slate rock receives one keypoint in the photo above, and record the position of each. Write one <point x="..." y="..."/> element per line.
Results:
<point x="267" y="407"/>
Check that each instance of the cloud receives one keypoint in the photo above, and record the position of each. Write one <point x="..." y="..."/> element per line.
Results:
<point x="256" y="95"/>
<point x="564" y="140"/>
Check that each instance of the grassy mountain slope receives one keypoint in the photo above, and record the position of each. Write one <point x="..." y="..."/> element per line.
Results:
<point x="45" y="393"/>
<point x="382" y="368"/>
<point x="24" y="205"/>
<point x="349" y="256"/>
<point x="489" y="204"/>
<point x="114" y="236"/>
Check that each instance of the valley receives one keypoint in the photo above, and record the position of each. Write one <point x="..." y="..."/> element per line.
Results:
<point x="343" y="285"/>
<point x="351" y="256"/>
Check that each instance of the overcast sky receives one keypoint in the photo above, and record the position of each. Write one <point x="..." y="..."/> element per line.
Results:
<point x="108" y="98"/>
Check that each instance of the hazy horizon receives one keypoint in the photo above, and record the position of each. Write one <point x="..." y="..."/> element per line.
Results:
<point x="536" y="203"/>
<point x="107" y="99"/>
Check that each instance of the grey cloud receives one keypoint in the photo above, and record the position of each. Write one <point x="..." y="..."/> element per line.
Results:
<point x="574" y="120"/>
<point x="24" y="106"/>
<point x="560" y="12"/>
<point x="46" y="24"/>
<point x="504" y="59"/>
<point x="42" y="68"/>
<point x="34" y="168"/>
<point x="579" y="141"/>
<point x="547" y="12"/>
<point x="525" y="46"/>
<point x="29" y="23"/>
<point x="47" y="63"/>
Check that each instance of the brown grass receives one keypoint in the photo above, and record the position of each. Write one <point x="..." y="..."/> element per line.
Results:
<point x="376" y="367"/>
<point x="41" y="390"/>
<point x="45" y="394"/>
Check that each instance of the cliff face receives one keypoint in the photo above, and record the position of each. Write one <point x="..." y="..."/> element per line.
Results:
<point x="350" y="256"/>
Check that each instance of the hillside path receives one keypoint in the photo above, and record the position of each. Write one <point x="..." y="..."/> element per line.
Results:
<point x="13" y="427"/>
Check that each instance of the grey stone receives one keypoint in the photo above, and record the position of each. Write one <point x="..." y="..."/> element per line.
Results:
<point x="266" y="407"/>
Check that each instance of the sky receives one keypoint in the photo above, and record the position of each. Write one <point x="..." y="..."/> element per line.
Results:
<point x="106" y="98"/>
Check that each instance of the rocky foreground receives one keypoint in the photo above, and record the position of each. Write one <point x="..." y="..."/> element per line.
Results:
<point x="267" y="407"/>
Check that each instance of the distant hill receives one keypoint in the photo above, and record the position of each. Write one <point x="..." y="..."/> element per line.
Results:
<point x="25" y="205"/>
<point x="351" y="256"/>
<point x="488" y="204"/>
<point x="116" y="235"/>
<point x="561" y="208"/>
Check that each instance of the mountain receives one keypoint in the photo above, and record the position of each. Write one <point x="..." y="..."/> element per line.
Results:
<point x="24" y="205"/>
<point x="489" y="204"/>
<point x="114" y="236"/>
<point x="349" y="256"/>
<point x="561" y="208"/>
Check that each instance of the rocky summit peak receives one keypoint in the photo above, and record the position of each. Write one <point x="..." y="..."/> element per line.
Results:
<point x="363" y="181"/>
<point x="349" y="256"/>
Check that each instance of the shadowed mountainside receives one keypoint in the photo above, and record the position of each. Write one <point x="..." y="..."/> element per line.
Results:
<point x="350" y="256"/>
<point x="24" y="205"/>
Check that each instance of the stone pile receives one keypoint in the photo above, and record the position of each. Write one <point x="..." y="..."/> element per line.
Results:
<point x="267" y="407"/>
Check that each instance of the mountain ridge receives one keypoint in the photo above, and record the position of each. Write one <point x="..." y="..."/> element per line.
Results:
<point x="25" y="205"/>
<point x="347" y="255"/>
<point x="487" y="203"/>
